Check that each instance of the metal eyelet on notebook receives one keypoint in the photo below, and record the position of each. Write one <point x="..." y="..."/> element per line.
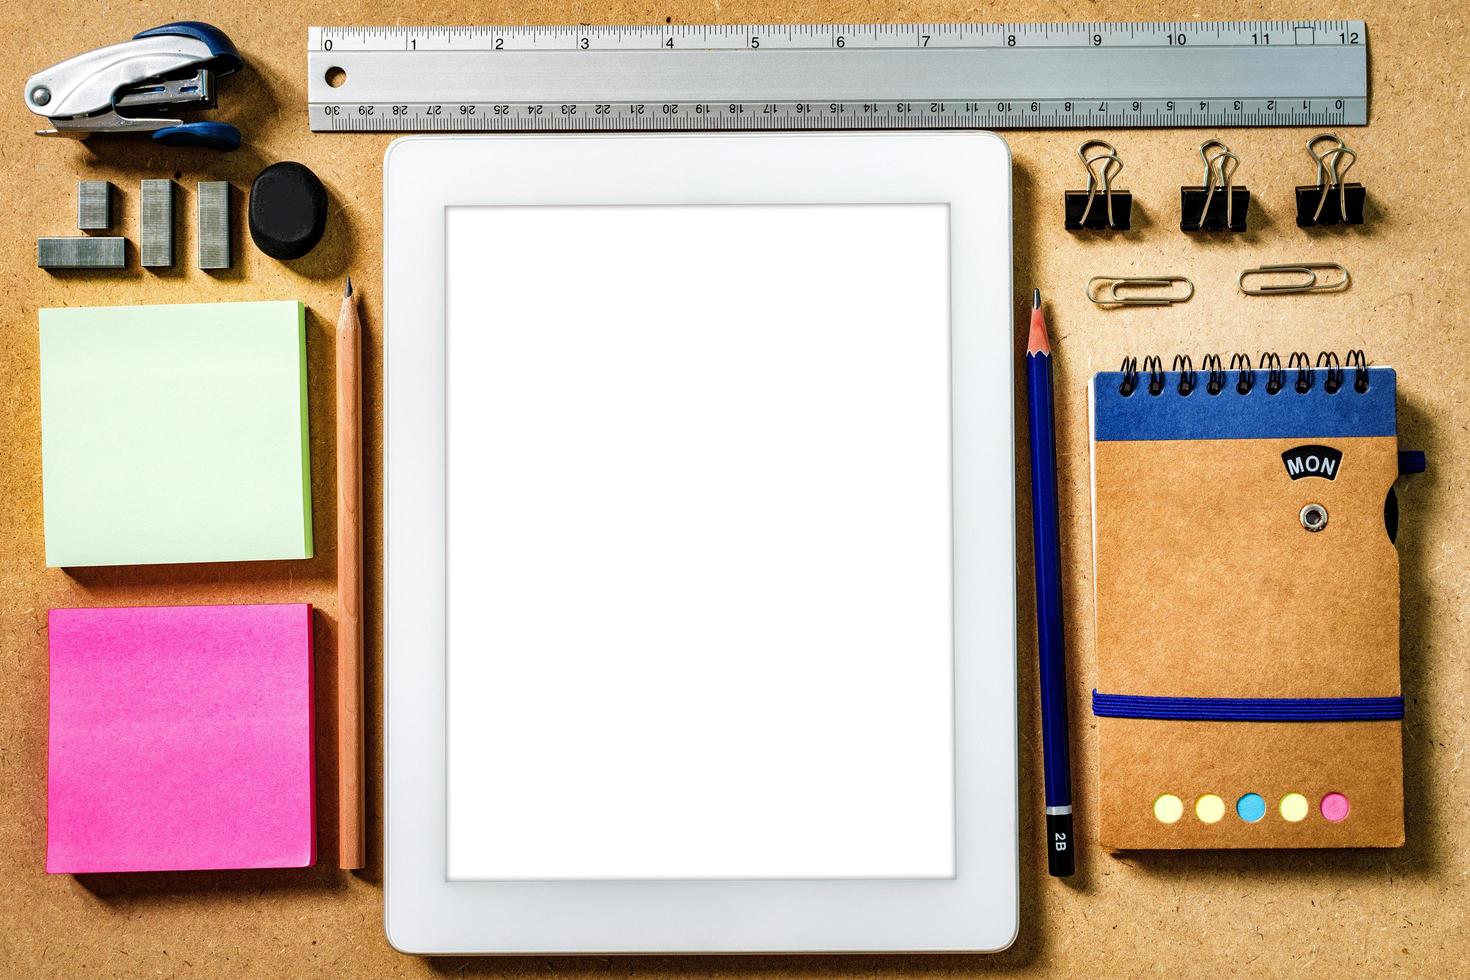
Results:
<point x="1314" y="517"/>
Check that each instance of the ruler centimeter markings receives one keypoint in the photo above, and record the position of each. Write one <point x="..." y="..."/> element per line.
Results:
<point x="838" y="76"/>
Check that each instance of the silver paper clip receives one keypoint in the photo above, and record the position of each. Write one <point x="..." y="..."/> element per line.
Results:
<point x="1305" y="279"/>
<point x="1109" y="295"/>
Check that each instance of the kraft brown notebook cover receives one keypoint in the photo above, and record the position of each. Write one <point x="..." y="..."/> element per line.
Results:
<point x="1247" y="602"/>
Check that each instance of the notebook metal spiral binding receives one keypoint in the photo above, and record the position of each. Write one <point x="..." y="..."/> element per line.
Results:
<point x="1327" y="360"/>
<point x="1305" y="378"/>
<point x="1184" y="367"/>
<point x="1247" y="379"/>
<point x="1154" y="365"/>
<point x="1216" y="367"/>
<point x="1333" y="369"/>
<point x="1275" y="375"/>
<point x="1130" y="376"/>
<point x="1358" y="360"/>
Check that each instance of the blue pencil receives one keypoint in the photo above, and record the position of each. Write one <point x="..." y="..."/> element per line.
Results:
<point x="1060" y="844"/>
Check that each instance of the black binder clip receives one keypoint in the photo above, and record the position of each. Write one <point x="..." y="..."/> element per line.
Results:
<point x="1217" y="205"/>
<point x="1331" y="201"/>
<point x="1082" y="211"/>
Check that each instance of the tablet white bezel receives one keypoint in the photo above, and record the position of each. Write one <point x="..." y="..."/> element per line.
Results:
<point x="425" y="912"/>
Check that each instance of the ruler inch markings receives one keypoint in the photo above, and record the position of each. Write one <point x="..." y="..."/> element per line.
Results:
<point x="691" y="77"/>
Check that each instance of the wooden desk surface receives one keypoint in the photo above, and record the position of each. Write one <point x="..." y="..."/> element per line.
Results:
<point x="1207" y="914"/>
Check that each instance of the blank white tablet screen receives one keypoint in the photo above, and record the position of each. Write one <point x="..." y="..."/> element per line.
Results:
<point x="699" y="542"/>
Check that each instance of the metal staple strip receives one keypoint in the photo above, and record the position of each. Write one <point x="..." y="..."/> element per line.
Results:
<point x="82" y="252"/>
<point x="156" y="224"/>
<point x="214" y="224"/>
<point x="94" y="205"/>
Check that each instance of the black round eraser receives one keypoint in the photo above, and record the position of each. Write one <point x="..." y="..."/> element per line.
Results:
<point x="288" y="210"/>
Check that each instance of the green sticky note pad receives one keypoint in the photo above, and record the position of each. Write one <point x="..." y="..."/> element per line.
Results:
<point x="175" y="434"/>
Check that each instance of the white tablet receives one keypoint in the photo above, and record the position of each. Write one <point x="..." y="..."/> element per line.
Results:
<point x="700" y="581"/>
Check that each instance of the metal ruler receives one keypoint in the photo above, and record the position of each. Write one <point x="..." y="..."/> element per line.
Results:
<point x="838" y="76"/>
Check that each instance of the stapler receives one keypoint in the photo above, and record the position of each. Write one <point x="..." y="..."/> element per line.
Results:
<point x="133" y="87"/>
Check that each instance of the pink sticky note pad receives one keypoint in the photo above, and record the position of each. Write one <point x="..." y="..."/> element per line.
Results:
<point x="181" y="739"/>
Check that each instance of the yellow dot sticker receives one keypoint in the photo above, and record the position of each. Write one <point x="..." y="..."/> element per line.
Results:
<point x="1168" y="808"/>
<point x="1209" y="808"/>
<point x="1294" y="807"/>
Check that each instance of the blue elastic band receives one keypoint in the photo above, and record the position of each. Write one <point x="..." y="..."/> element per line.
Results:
<point x="1247" y="709"/>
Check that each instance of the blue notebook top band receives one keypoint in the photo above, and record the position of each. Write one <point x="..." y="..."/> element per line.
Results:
<point x="1247" y="709"/>
<point x="1153" y="411"/>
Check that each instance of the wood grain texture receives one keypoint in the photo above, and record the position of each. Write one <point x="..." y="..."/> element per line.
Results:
<point x="1203" y="913"/>
<point x="351" y="812"/>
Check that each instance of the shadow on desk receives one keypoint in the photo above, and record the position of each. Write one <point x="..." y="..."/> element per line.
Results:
<point x="144" y="887"/>
<point x="746" y="967"/>
<point x="167" y="886"/>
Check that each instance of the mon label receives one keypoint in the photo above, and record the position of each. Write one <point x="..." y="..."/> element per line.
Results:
<point x="1305" y="461"/>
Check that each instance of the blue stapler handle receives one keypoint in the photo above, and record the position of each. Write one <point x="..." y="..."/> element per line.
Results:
<point x="212" y="135"/>
<point x="224" y="59"/>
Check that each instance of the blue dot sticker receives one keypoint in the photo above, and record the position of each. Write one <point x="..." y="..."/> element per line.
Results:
<point x="1250" y="807"/>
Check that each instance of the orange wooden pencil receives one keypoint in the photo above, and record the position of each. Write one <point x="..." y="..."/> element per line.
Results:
<point x="351" y="802"/>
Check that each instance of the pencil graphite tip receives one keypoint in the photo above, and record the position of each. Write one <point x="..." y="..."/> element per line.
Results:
<point x="1037" y="342"/>
<point x="347" y="289"/>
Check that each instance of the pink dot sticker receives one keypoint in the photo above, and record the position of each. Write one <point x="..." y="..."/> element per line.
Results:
<point x="1335" y="807"/>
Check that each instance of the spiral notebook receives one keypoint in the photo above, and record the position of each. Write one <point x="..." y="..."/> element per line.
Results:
<point x="1247" y="603"/>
